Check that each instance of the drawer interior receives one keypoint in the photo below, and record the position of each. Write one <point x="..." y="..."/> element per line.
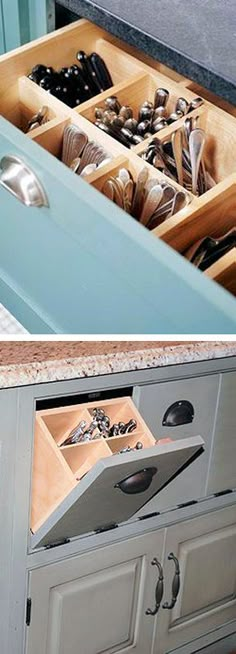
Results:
<point x="135" y="79"/>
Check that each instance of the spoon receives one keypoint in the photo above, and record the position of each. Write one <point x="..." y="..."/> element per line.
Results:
<point x="124" y="175"/>
<point x="75" y="164"/>
<point x="197" y="141"/>
<point x="151" y="203"/>
<point x="128" y="195"/>
<point x="179" y="201"/>
<point x="139" y="192"/>
<point x="108" y="189"/>
<point x="177" y="144"/>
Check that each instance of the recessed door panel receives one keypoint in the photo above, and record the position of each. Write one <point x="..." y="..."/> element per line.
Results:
<point x="96" y="603"/>
<point x="205" y="549"/>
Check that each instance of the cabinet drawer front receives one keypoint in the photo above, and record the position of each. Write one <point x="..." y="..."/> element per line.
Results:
<point x="205" y="549"/>
<point x="154" y="401"/>
<point x="222" y="474"/>
<point x="90" y="486"/>
<point x="96" y="602"/>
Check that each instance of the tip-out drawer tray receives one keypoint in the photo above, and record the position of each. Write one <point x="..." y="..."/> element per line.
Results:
<point x="89" y="486"/>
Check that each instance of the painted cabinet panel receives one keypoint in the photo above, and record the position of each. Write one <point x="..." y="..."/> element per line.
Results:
<point x="205" y="549"/>
<point x="96" y="602"/>
<point x="2" y="37"/>
<point x="24" y="20"/>
<point x="153" y="401"/>
<point x="222" y="473"/>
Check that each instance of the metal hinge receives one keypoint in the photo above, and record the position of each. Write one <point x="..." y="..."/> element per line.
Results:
<point x="190" y="503"/>
<point x="57" y="543"/>
<point x="149" y="515"/>
<point x="100" y="530"/>
<point x="28" y="611"/>
<point x="223" y="492"/>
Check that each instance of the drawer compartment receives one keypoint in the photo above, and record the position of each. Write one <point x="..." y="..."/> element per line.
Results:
<point x="87" y="485"/>
<point x="21" y="102"/>
<point x="59" y="50"/>
<point x="134" y="93"/>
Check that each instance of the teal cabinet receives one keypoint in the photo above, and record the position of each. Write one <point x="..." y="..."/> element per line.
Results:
<point x="24" y="20"/>
<point x="78" y="266"/>
<point x="2" y="39"/>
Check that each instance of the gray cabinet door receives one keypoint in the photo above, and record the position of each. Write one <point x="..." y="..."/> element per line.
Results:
<point x="205" y="548"/>
<point x="153" y="400"/>
<point x="222" y="474"/>
<point x="115" y="488"/>
<point x="96" y="603"/>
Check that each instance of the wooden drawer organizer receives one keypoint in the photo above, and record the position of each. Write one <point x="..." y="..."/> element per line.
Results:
<point x="57" y="470"/>
<point x="135" y="79"/>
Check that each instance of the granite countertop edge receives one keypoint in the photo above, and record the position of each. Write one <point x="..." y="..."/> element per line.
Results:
<point x="154" y="47"/>
<point x="104" y="364"/>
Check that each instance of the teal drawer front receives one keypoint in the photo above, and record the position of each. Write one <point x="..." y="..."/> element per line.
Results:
<point x="81" y="266"/>
<point x="24" y="20"/>
<point x="2" y="39"/>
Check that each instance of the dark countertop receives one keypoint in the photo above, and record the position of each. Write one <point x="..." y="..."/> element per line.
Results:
<point x="197" y="38"/>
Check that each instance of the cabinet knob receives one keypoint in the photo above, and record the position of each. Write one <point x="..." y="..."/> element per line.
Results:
<point x="159" y="589"/>
<point x="175" y="583"/>
<point x="137" y="483"/>
<point x="17" y="178"/>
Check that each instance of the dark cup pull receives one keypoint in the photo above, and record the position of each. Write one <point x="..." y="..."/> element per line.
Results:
<point x="175" y="583"/>
<point x="159" y="589"/>
<point x="137" y="483"/>
<point x="179" y="413"/>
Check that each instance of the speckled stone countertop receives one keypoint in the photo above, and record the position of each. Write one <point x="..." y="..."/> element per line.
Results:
<point x="194" y="37"/>
<point x="25" y="363"/>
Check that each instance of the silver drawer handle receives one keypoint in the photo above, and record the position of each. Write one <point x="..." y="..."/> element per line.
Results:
<point x="21" y="181"/>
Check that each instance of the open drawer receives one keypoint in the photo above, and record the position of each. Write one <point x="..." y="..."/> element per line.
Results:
<point x="104" y="249"/>
<point x="89" y="486"/>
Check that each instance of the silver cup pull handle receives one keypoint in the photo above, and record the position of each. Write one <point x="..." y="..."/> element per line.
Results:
<point x="17" y="178"/>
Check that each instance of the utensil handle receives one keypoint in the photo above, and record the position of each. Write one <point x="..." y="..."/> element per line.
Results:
<point x="159" y="588"/>
<point x="175" y="583"/>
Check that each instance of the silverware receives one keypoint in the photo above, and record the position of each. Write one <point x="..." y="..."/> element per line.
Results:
<point x="76" y="435"/>
<point x="74" y="142"/>
<point x="177" y="145"/>
<point x="151" y="203"/>
<point x="38" y="119"/>
<point x="161" y="98"/>
<point x="197" y="141"/>
<point x="139" y="192"/>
